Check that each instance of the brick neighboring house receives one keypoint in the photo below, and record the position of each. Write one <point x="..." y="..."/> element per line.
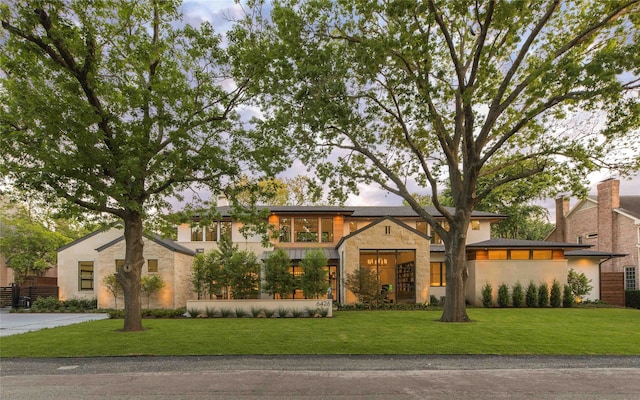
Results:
<point x="610" y="223"/>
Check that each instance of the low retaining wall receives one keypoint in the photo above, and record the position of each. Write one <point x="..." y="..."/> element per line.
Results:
<point x="266" y="304"/>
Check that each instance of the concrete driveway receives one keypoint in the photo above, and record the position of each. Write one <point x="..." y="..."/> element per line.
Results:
<point x="15" y="323"/>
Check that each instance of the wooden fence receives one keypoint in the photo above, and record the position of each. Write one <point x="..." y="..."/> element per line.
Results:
<point x="15" y="295"/>
<point x="612" y="288"/>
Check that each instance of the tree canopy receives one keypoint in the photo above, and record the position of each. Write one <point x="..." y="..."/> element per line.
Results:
<point x="116" y="106"/>
<point x="471" y="95"/>
<point x="28" y="246"/>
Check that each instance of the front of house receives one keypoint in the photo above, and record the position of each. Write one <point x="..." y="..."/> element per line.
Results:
<point x="392" y="241"/>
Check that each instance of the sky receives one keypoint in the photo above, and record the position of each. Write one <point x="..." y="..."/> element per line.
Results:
<point x="220" y="14"/>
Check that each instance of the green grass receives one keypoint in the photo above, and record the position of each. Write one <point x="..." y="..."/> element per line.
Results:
<point x="494" y="331"/>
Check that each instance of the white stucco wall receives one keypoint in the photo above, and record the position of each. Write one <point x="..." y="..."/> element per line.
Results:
<point x="497" y="272"/>
<point x="588" y="266"/>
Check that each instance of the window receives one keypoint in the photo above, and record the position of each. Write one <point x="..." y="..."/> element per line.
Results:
<point x="305" y="229"/>
<point x="353" y="226"/>
<point x="630" y="278"/>
<point x="438" y="274"/>
<point x="542" y="255"/>
<point x="225" y="229"/>
<point x="435" y="238"/>
<point x="211" y="233"/>
<point x="285" y="230"/>
<point x="152" y="265"/>
<point x="592" y="235"/>
<point x="196" y="234"/>
<point x="579" y="240"/>
<point x="119" y="265"/>
<point x="475" y="225"/>
<point x="497" y="254"/>
<point x="387" y="230"/>
<point x="326" y="225"/>
<point x="85" y="274"/>
<point x="519" y="254"/>
<point x="421" y="226"/>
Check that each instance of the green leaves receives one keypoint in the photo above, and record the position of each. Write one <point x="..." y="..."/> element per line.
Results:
<point x="112" y="107"/>
<point x="28" y="247"/>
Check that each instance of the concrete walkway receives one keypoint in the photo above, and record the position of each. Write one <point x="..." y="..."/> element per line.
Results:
<point x="15" y="323"/>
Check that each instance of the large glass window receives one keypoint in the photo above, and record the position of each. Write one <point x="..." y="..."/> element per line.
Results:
<point x="438" y="274"/>
<point x="326" y="229"/>
<point x="353" y="226"/>
<point x="196" y="234"/>
<point x="285" y="230"/>
<point x="435" y="238"/>
<point x="396" y="273"/>
<point x="85" y="275"/>
<point x="630" y="278"/>
<point x="211" y="233"/>
<point x="305" y="229"/>
<point x="225" y="229"/>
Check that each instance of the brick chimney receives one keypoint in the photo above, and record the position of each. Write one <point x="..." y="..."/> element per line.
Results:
<point x="562" y="209"/>
<point x="608" y="200"/>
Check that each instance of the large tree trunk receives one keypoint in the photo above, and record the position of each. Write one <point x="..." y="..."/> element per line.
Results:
<point x="129" y="275"/>
<point x="455" y="308"/>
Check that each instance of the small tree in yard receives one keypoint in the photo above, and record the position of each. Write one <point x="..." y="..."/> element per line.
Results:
<point x="110" y="282"/>
<point x="151" y="284"/>
<point x="278" y="281"/>
<point x="364" y="283"/>
<point x="556" y="294"/>
<point x="314" y="277"/>
<point x="487" y="295"/>
<point x="567" y="297"/>
<point x="579" y="284"/>
<point x="208" y="276"/>
<point x="543" y="294"/>
<point x="517" y="295"/>
<point x="532" y="295"/>
<point x="503" y="295"/>
<point x="243" y="271"/>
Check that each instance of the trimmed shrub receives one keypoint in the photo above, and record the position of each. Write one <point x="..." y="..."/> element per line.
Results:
<point x="556" y="294"/>
<point x="632" y="298"/>
<point x="532" y="295"/>
<point x="543" y="295"/>
<point x="503" y="295"/>
<point x="433" y="301"/>
<point x="517" y="295"/>
<point x="487" y="295"/>
<point x="567" y="297"/>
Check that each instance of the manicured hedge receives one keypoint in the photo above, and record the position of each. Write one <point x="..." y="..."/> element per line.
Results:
<point x="632" y="298"/>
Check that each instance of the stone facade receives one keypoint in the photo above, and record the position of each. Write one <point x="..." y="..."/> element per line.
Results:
<point x="387" y="234"/>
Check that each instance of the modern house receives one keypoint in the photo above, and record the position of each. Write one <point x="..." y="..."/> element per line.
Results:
<point x="610" y="224"/>
<point x="392" y="241"/>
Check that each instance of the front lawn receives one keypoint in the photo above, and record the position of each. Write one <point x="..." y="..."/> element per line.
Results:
<point x="495" y="331"/>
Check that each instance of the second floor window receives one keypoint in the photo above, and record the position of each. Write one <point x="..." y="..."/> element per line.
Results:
<point x="305" y="229"/>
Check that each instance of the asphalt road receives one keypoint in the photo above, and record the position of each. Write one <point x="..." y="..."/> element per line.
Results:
<point x="322" y="377"/>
